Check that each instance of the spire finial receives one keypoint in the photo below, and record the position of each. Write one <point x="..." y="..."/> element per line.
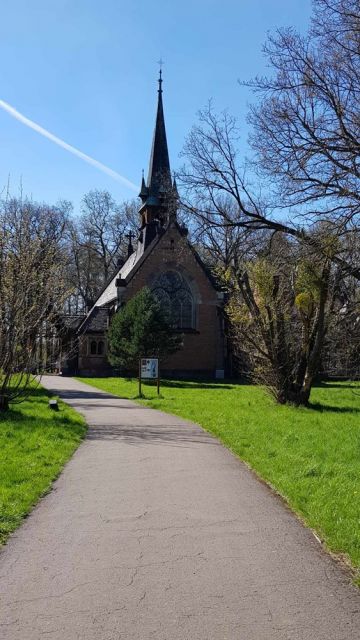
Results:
<point x="160" y="63"/>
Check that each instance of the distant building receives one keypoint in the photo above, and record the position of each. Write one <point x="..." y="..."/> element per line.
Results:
<point x="164" y="261"/>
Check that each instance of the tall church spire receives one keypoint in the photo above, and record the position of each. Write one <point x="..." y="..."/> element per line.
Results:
<point x="159" y="176"/>
<point x="157" y="195"/>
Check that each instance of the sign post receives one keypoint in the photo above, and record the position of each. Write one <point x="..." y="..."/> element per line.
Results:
<point x="149" y="370"/>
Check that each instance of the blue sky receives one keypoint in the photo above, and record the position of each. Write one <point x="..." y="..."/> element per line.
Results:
<point x="86" y="71"/>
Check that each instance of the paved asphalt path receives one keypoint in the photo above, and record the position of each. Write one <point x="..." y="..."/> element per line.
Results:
<point x="155" y="531"/>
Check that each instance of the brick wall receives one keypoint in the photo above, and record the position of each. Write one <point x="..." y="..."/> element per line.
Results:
<point x="203" y="349"/>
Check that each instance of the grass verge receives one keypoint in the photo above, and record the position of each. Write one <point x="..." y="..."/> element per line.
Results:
<point x="311" y="456"/>
<point x="35" y="443"/>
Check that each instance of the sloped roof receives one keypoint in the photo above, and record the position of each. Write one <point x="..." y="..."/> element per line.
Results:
<point x="72" y="321"/>
<point x="209" y="274"/>
<point x="109" y="292"/>
<point x="96" y="320"/>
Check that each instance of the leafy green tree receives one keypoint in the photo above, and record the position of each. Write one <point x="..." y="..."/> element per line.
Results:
<point x="141" y="329"/>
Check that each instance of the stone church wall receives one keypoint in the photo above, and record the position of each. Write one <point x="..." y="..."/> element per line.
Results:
<point x="93" y="364"/>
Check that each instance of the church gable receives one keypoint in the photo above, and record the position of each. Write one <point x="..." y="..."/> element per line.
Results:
<point x="178" y="278"/>
<point x="173" y="252"/>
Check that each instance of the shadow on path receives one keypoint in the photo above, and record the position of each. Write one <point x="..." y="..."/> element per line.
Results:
<point x="151" y="434"/>
<point x="70" y="394"/>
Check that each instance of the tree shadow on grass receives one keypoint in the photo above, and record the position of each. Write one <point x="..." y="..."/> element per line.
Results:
<point x="34" y="392"/>
<point x="321" y="407"/>
<point x="337" y="384"/>
<point x="20" y="423"/>
<point x="27" y="394"/>
<point x="198" y="384"/>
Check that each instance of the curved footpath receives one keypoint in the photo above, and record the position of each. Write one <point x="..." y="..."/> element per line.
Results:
<point x="154" y="530"/>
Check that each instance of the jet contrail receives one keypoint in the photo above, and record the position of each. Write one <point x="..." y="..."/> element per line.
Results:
<point x="61" y="143"/>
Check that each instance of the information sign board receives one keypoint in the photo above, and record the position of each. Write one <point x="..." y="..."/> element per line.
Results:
<point x="149" y="368"/>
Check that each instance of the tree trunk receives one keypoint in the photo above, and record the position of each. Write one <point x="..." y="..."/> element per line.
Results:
<point x="298" y="397"/>
<point x="317" y="339"/>
<point x="4" y="403"/>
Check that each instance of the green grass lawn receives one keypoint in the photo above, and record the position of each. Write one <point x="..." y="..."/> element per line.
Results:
<point x="35" y="443"/>
<point x="311" y="456"/>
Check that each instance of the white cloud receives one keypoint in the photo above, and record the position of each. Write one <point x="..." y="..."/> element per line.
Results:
<point x="61" y="143"/>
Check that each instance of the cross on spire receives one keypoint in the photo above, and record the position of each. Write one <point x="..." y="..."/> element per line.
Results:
<point x="160" y="63"/>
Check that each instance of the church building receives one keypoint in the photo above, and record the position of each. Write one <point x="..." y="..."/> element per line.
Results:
<point x="165" y="261"/>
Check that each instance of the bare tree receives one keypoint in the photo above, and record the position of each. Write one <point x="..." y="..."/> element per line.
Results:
<point x="280" y="307"/>
<point x="32" y="288"/>
<point x="103" y="225"/>
<point x="222" y="246"/>
<point x="98" y="242"/>
<point x="214" y="174"/>
<point x="341" y="354"/>
<point x="306" y="128"/>
<point x="306" y="137"/>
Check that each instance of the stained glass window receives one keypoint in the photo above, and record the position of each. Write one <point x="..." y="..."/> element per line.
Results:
<point x="174" y="295"/>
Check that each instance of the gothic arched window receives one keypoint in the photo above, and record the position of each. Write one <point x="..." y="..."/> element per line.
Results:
<point x="175" y="297"/>
<point x="96" y="347"/>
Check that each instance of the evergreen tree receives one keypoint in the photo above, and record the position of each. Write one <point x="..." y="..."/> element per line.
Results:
<point x="141" y="329"/>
